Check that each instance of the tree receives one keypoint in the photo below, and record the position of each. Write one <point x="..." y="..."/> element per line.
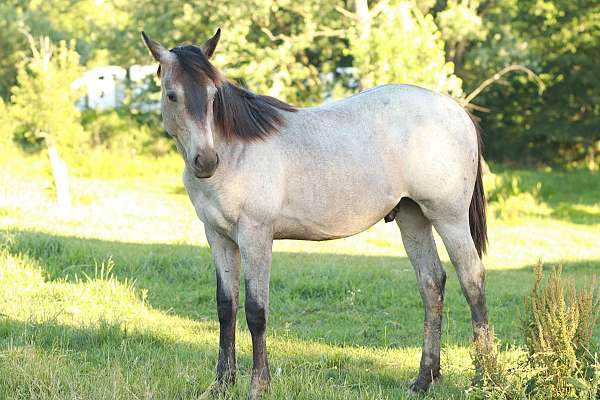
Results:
<point x="559" y="40"/>
<point x="44" y="106"/>
<point x="280" y="48"/>
<point x="393" y="41"/>
<point x="90" y="23"/>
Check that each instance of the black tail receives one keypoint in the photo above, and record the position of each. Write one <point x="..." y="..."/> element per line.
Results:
<point x="477" y="214"/>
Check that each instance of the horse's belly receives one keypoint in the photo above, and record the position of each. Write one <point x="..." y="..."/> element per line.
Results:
<point x="339" y="214"/>
<point x="293" y="229"/>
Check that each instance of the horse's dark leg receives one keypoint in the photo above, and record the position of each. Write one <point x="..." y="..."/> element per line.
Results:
<point x="420" y="246"/>
<point x="471" y="274"/>
<point x="226" y="257"/>
<point x="256" y="247"/>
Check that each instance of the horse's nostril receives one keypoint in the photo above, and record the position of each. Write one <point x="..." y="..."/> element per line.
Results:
<point x="205" y="165"/>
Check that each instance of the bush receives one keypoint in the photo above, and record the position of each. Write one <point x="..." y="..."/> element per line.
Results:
<point x="499" y="378"/>
<point x="561" y="361"/>
<point x="123" y="131"/>
<point x="558" y="324"/>
<point x="7" y="125"/>
<point x="509" y="200"/>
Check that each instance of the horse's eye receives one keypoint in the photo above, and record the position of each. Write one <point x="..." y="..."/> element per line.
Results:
<point x="171" y="96"/>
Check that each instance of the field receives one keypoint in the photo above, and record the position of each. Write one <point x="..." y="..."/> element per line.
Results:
<point x="116" y="299"/>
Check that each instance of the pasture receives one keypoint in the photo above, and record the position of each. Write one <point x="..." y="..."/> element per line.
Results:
<point x="116" y="299"/>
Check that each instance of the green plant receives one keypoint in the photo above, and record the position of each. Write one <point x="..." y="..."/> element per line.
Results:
<point x="124" y="131"/>
<point x="496" y="377"/>
<point x="560" y="361"/>
<point x="557" y="325"/>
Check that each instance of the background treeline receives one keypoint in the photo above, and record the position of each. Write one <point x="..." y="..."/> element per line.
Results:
<point x="308" y="51"/>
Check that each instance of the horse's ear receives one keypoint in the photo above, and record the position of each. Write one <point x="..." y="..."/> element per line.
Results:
<point x="208" y="48"/>
<point x="157" y="49"/>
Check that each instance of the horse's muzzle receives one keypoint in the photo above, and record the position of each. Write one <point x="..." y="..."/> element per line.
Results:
<point x="205" y="164"/>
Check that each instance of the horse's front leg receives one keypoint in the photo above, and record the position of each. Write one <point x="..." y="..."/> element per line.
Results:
<point x="256" y="242"/>
<point x="226" y="257"/>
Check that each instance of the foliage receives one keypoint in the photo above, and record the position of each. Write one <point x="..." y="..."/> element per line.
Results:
<point x="510" y="200"/>
<point x="277" y="48"/>
<point x="12" y="43"/>
<point x="558" y="324"/>
<point x="89" y="23"/>
<point x="562" y="359"/>
<point x="558" y="40"/>
<point x="308" y="52"/>
<point x="123" y="131"/>
<point x="7" y="124"/>
<point x="501" y="377"/>
<point x="403" y="46"/>
<point x="43" y="101"/>
<point x="460" y="23"/>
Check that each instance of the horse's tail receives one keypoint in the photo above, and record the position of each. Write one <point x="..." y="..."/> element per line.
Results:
<point x="477" y="213"/>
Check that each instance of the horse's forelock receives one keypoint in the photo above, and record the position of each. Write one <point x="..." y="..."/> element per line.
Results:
<point x="194" y="63"/>
<point x="239" y="113"/>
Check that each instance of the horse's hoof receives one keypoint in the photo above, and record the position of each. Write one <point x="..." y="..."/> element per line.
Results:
<point x="418" y="387"/>
<point x="213" y="391"/>
<point x="257" y="389"/>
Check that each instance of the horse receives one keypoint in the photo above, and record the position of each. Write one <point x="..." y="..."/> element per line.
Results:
<point x="258" y="169"/>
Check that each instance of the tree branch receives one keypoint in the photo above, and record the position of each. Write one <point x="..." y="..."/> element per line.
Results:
<point x="273" y="37"/>
<point x="475" y="107"/>
<point x="31" y="41"/>
<point x="378" y="8"/>
<point x="345" y="12"/>
<point x="330" y="32"/>
<point x="509" y="68"/>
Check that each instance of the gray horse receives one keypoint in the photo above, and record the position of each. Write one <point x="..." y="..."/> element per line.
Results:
<point x="258" y="169"/>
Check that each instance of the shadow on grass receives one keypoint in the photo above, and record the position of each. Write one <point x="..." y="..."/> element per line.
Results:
<point x="341" y="300"/>
<point x="96" y="355"/>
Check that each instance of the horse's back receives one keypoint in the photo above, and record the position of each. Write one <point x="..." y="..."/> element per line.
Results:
<point x="348" y="163"/>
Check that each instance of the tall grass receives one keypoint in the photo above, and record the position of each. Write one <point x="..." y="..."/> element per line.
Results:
<point x="561" y="359"/>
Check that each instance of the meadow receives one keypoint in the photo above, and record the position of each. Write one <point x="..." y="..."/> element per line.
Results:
<point x="115" y="300"/>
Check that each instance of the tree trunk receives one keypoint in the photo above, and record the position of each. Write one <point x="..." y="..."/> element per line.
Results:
<point x="364" y="32"/>
<point x="61" y="176"/>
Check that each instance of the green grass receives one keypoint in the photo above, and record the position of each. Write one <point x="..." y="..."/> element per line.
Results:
<point x="116" y="300"/>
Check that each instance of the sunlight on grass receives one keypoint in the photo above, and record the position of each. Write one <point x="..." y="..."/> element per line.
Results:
<point x="48" y="326"/>
<point x="116" y="300"/>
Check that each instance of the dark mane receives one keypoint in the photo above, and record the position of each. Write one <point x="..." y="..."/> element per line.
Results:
<point x="244" y="115"/>
<point x="239" y="113"/>
<point x="195" y="64"/>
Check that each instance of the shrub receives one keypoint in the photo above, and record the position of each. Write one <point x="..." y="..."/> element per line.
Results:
<point x="509" y="200"/>
<point x="560" y="360"/>
<point x="557" y="324"/>
<point x="123" y="131"/>
<point x="497" y="377"/>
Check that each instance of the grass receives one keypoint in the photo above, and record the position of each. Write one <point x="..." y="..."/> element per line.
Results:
<point x="116" y="300"/>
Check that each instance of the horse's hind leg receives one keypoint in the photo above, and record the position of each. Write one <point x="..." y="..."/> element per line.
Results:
<point x="418" y="241"/>
<point x="455" y="233"/>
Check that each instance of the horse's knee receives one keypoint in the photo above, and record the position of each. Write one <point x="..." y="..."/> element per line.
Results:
<point x="474" y="290"/>
<point x="226" y="306"/>
<point x="256" y="316"/>
<point x="433" y="287"/>
<point x="473" y="284"/>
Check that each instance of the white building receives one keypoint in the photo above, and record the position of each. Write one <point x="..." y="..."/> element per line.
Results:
<point x="105" y="86"/>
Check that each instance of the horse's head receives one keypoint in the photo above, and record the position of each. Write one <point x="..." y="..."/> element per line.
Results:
<point x="189" y="83"/>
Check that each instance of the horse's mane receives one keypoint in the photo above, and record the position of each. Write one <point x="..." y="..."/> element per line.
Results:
<point x="238" y="113"/>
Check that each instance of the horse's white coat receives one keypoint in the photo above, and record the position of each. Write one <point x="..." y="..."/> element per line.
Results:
<point x="336" y="170"/>
<point x="333" y="171"/>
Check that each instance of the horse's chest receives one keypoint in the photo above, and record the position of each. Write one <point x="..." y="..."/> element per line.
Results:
<point x="210" y="213"/>
<point x="211" y="210"/>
